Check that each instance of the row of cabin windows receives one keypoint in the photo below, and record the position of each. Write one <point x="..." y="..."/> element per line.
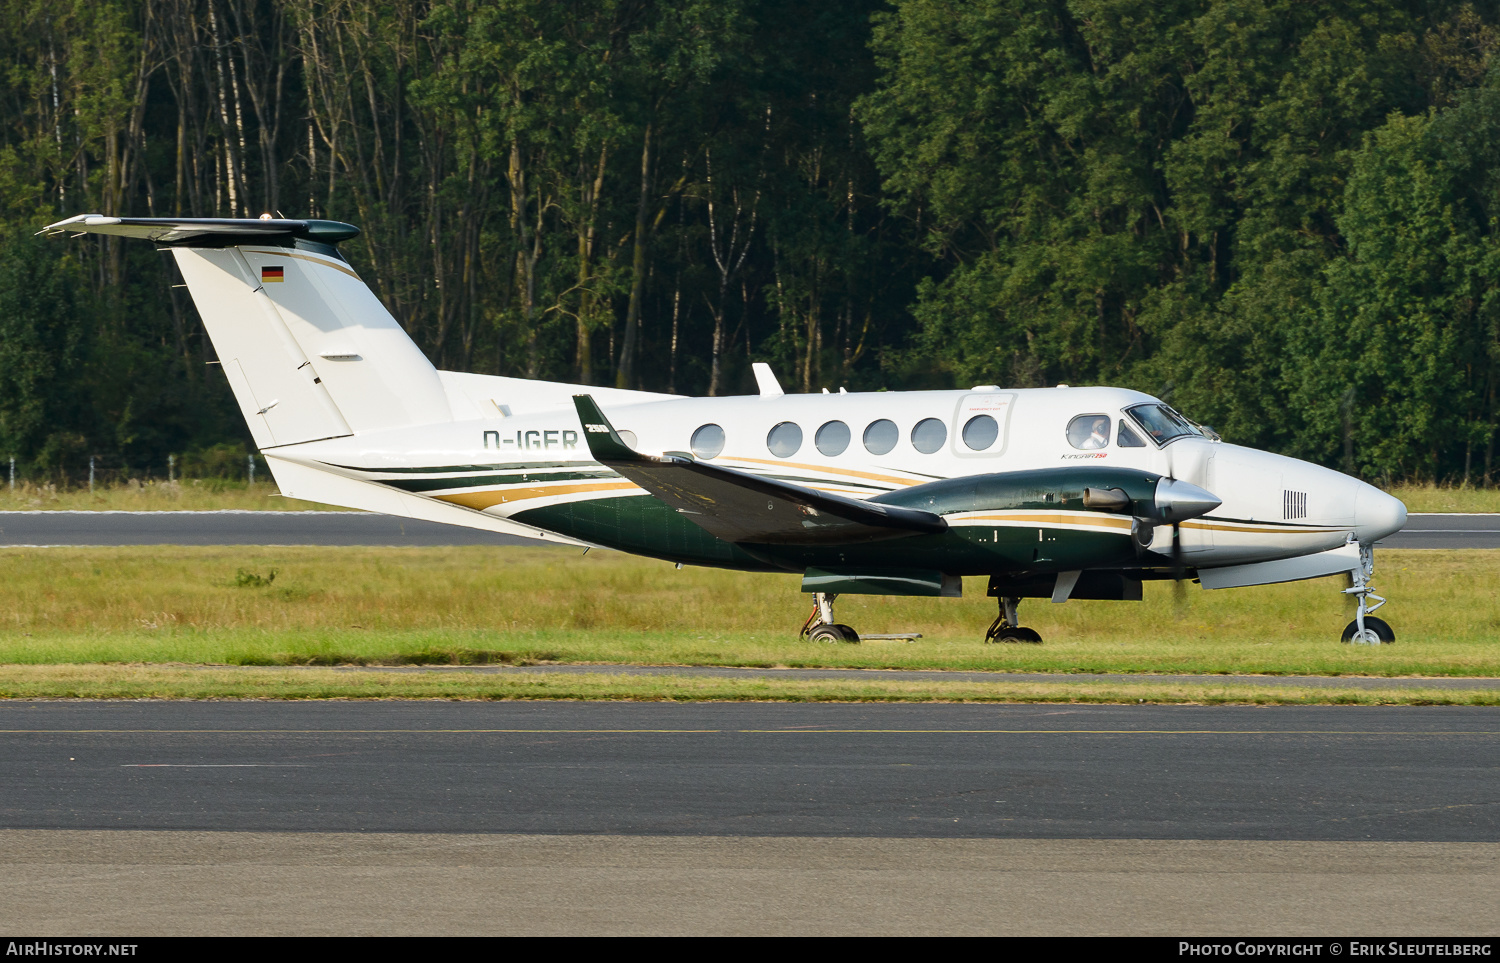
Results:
<point x="1085" y="432"/>
<point x="880" y="437"/>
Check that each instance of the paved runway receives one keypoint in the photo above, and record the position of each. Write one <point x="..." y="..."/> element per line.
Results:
<point x="362" y="528"/>
<point x="1137" y="772"/>
<point x="1447" y="531"/>
<point x="152" y="818"/>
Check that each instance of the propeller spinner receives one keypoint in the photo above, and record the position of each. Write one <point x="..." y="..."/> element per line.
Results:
<point x="1177" y="500"/>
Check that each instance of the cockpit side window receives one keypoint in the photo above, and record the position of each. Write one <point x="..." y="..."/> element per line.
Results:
<point x="1161" y="423"/>
<point x="1088" y="432"/>
<point x="1128" y="438"/>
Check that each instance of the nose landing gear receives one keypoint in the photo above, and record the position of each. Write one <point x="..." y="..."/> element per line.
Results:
<point x="1366" y="629"/>
<point x="1005" y="629"/>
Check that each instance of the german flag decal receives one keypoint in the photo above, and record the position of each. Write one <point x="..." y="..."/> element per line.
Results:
<point x="269" y="274"/>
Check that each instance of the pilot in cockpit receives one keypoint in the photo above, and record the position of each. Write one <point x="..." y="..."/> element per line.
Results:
<point x="1089" y="432"/>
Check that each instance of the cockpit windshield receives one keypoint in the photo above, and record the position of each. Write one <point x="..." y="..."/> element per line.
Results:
<point x="1162" y="423"/>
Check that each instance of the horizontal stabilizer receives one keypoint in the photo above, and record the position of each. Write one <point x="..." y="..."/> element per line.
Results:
<point x="744" y="508"/>
<point x="208" y="231"/>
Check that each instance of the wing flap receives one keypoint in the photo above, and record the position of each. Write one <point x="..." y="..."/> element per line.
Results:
<point x="749" y="509"/>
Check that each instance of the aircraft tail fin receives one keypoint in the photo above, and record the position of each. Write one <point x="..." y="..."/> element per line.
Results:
<point x="309" y="350"/>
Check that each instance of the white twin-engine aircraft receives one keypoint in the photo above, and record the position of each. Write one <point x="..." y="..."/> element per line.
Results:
<point x="1061" y="493"/>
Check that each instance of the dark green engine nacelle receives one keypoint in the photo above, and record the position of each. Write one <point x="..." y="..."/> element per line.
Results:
<point x="1041" y="537"/>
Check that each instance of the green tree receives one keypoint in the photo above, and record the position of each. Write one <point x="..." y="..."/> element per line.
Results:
<point x="44" y="349"/>
<point x="1398" y="378"/>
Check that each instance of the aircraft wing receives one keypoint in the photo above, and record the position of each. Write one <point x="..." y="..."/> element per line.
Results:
<point x="744" y="508"/>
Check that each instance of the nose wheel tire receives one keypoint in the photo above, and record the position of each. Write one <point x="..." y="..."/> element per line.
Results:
<point x="1376" y="632"/>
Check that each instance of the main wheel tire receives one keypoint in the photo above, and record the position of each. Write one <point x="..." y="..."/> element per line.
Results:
<point x="1032" y="636"/>
<point x="1019" y="634"/>
<point x="825" y="633"/>
<point x="848" y="633"/>
<point x="1377" y="632"/>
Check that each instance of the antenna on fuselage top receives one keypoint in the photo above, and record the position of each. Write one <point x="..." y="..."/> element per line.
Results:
<point x="765" y="380"/>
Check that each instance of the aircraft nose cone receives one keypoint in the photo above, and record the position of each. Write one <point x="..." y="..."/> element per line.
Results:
<point x="1177" y="499"/>
<point x="1377" y="514"/>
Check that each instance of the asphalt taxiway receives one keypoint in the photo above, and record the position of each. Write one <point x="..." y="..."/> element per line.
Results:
<point x="1164" y="772"/>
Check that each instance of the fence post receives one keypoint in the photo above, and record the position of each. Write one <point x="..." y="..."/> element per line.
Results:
<point x="171" y="468"/>
<point x="12" y="473"/>
<point x="91" y="474"/>
<point x="250" y="461"/>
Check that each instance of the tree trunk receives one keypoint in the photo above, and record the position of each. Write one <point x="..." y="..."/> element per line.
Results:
<point x="625" y="376"/>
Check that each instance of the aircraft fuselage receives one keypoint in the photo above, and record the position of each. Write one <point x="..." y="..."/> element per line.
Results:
<point x="534" y="469"/>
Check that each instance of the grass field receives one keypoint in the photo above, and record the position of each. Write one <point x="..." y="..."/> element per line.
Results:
<point x="1433" y="498"/>
<point x="332" y="606"/>
<point x="212" y="494"/>
<point x="175" y="682"/>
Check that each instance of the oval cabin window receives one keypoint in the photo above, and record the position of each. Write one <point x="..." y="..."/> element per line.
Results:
<point x="784" y="439"/>
<point x="928" y="435"/>
<point x="832" y="438"/>
<point x="980" y="432"/>
<point x="881" y="436"/>
<point x="708" y="441"/>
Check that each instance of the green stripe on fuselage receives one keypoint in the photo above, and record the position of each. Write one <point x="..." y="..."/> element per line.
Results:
<point x="640" y="525"/>
<point x="643" y="525"/>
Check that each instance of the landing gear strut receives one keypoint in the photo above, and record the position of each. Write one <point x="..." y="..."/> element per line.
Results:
<point x="1005" y="629"/>
<point x="1366" y="629"/>
<point x="820" y="626"/>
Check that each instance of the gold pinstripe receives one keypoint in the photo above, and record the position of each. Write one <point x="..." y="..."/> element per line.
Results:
<point x="499" y="496"/>
<point x="1264" y="529"/>
<point x="1109" y="522"/>
<point x="304" y="257"/>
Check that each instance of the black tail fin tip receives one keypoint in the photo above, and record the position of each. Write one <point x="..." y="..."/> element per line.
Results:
<point x="605" y="444"/>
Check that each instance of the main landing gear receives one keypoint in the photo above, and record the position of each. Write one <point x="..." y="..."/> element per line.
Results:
<point x="1366" y="629"/>
<point x="1005" y="629"/>
<point x="820" y="626"/>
